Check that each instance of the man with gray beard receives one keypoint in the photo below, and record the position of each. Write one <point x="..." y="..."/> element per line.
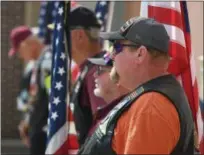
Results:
<point x="106" y="87"/>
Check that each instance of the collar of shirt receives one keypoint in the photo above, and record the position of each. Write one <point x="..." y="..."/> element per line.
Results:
<point x="104" y="110"/>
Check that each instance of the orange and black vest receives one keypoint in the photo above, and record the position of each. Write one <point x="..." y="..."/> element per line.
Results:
<point x="100" y="142"/>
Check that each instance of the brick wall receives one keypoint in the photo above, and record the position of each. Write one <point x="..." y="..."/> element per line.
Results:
<point x="12" y="15"/>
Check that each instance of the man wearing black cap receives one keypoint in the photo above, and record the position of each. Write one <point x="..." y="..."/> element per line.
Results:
<point x="155" y="117"/>
<point x="105" y="87"/>
<point x="85" y="44"/>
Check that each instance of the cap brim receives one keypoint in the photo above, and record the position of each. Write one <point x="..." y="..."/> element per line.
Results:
<point x="11" y="52"/>
<point x="98" y="61"/>
<point x="111" y="36"/>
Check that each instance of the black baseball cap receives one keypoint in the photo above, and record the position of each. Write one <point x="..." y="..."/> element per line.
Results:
<point x="102" y="60"/>
<point x="142" y="31"/>
<point x="81" y="16"/>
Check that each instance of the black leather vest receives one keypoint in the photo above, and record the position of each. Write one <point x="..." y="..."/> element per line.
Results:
<point x="100" y="143"/>
<point x="82" y="117"/>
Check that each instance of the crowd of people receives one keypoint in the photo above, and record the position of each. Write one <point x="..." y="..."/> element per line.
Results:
<point x="125" y="101"/>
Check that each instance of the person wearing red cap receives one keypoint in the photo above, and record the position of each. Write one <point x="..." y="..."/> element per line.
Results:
<point x="28" y="46"/>
<point x="18" y="35"/>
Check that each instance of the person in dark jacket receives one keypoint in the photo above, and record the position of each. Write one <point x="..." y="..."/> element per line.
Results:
<point x="155" y="117"/>
<point x="85" y="44"/>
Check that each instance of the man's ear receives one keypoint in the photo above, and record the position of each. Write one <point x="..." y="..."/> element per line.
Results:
<point x="141" y="54"/>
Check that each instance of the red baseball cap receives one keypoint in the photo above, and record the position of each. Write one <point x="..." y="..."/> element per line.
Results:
<point x="18" y="35"/>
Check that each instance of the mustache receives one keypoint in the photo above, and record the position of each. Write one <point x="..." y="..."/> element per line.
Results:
<point x="114" y="76"/>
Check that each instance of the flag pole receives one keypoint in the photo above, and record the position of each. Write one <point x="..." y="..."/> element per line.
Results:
<point x="67" y="44"/>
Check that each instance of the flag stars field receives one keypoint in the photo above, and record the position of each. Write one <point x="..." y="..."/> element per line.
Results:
<point x="54" y="116"/>
<point x="56" y="100"/>
<point x="103" y="3"/>
<point x="62" y="56"/>
<point x="58" y="85"/>
<point x="59" y="26"/>
<point x="57" y="42"/>
<point x="60" y="11"/>
<point x="61" y="71"/>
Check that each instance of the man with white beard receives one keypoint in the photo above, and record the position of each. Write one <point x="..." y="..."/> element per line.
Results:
<point x="106" y="87"/>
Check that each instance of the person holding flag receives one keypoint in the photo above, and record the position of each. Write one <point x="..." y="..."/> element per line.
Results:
<point x="30" y="47"/>
<point x="85" y="29"/>
<point x="17" y="34"/>
<point x="155" y="118"/>
<point x="84" y="43"/>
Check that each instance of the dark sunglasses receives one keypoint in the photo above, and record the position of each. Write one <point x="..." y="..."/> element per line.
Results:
<point x="118" y="47"/>
<point x="100" y="70"/>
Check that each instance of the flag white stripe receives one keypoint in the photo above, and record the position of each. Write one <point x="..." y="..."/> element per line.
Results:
<point x="57" y="140"/>
<point x="175" y="34"/>
<point x="200" y="125"/>
<point x="144" y="9"/>
<point x="72" y="151"/>
<point x="193" y="68"/>
<point x="72" y="129"/>
<point x="168" y="5"/>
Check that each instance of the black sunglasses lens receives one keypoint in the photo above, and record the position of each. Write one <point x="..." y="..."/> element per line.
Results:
<point x="118" y="47"/>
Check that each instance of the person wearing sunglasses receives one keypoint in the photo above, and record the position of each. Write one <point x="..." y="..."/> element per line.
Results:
<point x="155" y="117"/>
<point x="105" y="88"/>
<point x="85" y="29"/>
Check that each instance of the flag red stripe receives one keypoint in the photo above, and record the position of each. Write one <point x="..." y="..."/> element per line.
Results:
<point x="179" y="61"/>
<point x="181" y="65"/>
<point x="69" y="115"/>
<point x="187" y="75"/>
<point x="62" y="149"/>
<point x="160" y="14"/>
<point x="72" y="142"/>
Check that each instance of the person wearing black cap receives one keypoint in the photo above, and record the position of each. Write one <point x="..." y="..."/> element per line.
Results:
<point x="85" y="44"/>
<point x="155" y="117"/>
<point x="28" y="46"/>
<point x="105" y="88"/>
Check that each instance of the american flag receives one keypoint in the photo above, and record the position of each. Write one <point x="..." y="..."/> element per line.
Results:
<point x="101" y="12"/>
<point x="57" y="124"/>
<point x="174" y="16"/>
<point x="47" y="16"/>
